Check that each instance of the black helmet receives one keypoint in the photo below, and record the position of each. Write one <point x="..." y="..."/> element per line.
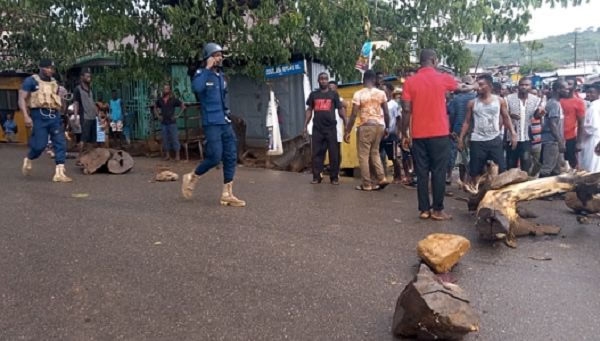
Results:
<point x="209" y="49"/>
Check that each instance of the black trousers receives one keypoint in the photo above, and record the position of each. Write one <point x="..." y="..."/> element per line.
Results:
<point x="325" y="140"/>
<point x="522" y="153"/>
<point x="431" y="157"/>
<point x="571" y="153"/>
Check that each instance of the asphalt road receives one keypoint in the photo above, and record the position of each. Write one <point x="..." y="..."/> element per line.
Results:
<point x="134" y="261"/>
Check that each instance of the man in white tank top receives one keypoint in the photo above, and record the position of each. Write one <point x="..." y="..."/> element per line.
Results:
<point x="485" y="112"/>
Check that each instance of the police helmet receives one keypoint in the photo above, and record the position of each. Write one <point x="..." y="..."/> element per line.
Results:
<point x="209" y="49"/>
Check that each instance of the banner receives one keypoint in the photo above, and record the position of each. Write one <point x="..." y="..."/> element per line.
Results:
<point x="295" y="68"/>
<point x="362" y="64"/>
<point x="275" y="144"/>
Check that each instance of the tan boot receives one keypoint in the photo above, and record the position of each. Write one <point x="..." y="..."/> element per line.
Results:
<point x="188" y="184"/>
<point x="228" y="199"/>
<point x="60" y="176"/>
<point x="26" y="169"/>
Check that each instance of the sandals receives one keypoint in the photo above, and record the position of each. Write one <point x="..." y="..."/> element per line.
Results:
<point x="382" y="185"/>
<point x="425" y="215"/>
<point x="441" y="216"/>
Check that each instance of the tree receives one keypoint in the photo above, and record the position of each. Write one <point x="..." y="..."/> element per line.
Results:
<point x="530" y="48"/>
<point x="538" y="66"/>
<point x="68" y="29"/>
<point x="255" y="32"/>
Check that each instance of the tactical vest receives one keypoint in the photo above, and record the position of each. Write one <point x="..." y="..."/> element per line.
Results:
<point x="46" y="96"/>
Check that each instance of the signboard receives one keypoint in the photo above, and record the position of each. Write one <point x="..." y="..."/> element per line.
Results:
<point x="295" y="68"/>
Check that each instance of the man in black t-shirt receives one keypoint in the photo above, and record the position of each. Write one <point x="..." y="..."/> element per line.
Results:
<point x="165" y="110"/>
<point x="323" y="103"/>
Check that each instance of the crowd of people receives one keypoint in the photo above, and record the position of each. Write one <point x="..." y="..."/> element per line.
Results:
<point x="426" y="128"/>
<point x="435" y="123"/>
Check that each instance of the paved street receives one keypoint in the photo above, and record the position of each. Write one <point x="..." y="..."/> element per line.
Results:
<point x="134" y="261"/>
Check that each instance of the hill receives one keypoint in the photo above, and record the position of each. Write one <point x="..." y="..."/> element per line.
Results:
<point x="556" y="49"/>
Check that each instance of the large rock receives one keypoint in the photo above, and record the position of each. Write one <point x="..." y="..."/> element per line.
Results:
<point x="430" y="309"/>
<point x="442" y="251"/>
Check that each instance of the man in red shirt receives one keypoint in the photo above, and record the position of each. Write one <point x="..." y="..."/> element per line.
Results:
<point x="574" y="110"/>
<point x="424" y="110"/>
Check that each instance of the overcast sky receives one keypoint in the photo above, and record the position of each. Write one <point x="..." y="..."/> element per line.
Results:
<point x="555" y="21"/>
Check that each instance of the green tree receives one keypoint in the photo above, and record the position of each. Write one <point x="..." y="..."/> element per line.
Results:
<point x="256" y="32"/>
<point x="532" y="47"/>
<point x="538" y="66"/>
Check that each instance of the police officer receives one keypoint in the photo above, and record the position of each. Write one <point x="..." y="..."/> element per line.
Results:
<point x="40" y="103"/>
<point x="211" y="89"/>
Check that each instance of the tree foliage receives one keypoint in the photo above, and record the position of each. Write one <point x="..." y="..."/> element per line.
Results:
<point x="255" y="32"/>
<point x="537" y="66"/>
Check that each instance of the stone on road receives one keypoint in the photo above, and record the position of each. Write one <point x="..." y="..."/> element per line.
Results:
<point x="441" y="251"/>
<point x="430" y="309"/>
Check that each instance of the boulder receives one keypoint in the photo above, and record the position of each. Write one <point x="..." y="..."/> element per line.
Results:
<point x="442" y="251"/>
<point x="429" y="309"/>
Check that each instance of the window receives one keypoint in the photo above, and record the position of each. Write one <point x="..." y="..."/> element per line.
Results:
<point x="9" y="100"/>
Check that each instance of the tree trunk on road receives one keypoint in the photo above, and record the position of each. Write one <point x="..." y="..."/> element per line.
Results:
<point x="498" y="208"/>
<point x="114" y="161"/>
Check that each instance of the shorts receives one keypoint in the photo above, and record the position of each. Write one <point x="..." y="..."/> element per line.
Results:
<point x="88" y="131"/>
<point x="116" y="126"/>
<point x="484" y="151"/>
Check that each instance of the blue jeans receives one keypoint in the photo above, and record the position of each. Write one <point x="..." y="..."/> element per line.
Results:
<point x="221" y="145"/>
<point x="44" y="126"/>
<point x="170" y="137"/>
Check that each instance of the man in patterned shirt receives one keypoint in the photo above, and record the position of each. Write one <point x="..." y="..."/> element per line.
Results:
<point x="371" y="104"/>
<point x="521" y="108"/>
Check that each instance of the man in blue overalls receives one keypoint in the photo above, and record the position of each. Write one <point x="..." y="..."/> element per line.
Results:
<point x="221" y="145"/>
<point x="41" y="105"/>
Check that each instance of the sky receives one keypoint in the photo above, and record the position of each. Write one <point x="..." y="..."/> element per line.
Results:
<point x="548" y="21"/>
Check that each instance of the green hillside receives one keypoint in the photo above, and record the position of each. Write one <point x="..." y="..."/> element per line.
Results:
<point x="556" y="49"/>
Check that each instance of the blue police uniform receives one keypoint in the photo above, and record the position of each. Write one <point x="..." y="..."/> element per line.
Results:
<point x="221" y="144"/>
<point x="46" y="122"/>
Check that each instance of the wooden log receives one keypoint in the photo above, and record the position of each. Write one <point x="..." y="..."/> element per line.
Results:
<point x="294" y="157"/>
<point x="591" y="205"/>
<point x="120" y="162"/>
<point x="585" y="198"/>
<point x="501" y="205"/>
<point x="94" y="160"/>
<point x="511" y="176"/>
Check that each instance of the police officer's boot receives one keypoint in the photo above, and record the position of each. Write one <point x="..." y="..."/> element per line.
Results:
<point x="60" y="176"/>
<point x="26" y="167"/>
<point x="188" y="184"/>
<point x="228" y="199"/>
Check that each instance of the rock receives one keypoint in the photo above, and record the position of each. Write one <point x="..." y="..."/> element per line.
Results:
<point x="166" y="176"/>
<point x="442" y="251"/>
<point x="430" y="309"/>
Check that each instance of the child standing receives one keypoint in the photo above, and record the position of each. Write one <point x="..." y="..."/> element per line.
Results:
<point x="10" y="128"/>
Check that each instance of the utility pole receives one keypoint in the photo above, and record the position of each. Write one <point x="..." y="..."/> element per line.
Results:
<point x="575" y="51"/>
